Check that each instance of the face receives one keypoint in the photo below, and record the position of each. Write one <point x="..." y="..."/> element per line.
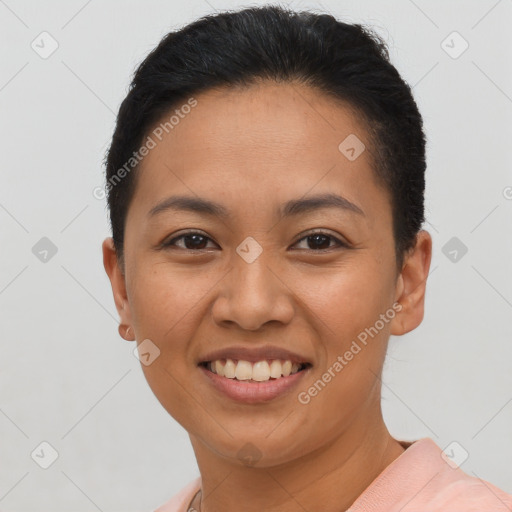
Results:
<point x="296" y="263"/>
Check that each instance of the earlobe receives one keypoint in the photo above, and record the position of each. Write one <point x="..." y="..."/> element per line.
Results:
<point x="126" y="332"/>
<point x="411" y="285"/>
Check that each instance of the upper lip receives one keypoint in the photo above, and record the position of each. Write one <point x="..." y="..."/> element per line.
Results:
<point x="253" y="354"/>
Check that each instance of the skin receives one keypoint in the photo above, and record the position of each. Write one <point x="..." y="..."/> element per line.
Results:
<point x="251" y="150"/>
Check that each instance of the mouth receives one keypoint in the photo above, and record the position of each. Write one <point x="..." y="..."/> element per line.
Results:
<point x="251" y="374"/>
<point x="253" y="382"/>
<point x="254" y="372"/>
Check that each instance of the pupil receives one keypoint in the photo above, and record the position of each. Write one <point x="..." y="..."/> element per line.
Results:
<point x="196" y="241"/>
<point x="318" y="241"/>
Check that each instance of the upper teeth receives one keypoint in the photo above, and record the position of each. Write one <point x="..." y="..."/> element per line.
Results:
<point x="260" y="371"/>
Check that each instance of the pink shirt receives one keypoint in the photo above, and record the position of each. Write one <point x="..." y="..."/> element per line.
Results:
<point x="419" y="480"/>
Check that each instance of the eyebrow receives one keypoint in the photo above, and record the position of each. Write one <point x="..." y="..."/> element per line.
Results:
<point x="290" y="208"/>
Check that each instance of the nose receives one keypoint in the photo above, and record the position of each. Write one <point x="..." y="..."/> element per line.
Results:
<point x="252" y="295"/>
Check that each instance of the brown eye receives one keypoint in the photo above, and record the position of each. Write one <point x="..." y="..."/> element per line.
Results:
<point x="191" y="241"/>
<point x="321" y="241"/>
<point x="196" y="241"/>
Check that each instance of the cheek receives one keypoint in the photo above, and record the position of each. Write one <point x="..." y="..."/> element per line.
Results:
<point x="164" y="301"/>
<point x="346" y="300"/>
<point x="346" y="310"/>
<point x="166" y="309"/>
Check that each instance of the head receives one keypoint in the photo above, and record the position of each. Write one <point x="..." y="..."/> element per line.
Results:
<point x="311" y="146"/>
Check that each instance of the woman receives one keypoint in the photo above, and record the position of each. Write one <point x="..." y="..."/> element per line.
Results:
<point x="265" y="184"/>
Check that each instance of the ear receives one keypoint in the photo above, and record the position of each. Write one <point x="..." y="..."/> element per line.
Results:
<point x="114" y="270"/>
<point x="411" y="285"/>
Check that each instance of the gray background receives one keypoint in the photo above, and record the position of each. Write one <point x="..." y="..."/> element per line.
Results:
<point x="67" y="378"/>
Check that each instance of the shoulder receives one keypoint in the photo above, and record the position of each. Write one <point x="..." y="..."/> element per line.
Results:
<point x="180" y="501"/>
<point x="424" y="478"/>
<point x="467" y="493"/>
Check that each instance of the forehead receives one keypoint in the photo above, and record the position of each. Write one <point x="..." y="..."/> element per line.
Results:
<point x="263" y="141"/>
<point x="244" y="122"/>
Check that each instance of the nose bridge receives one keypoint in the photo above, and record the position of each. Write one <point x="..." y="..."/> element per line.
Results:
<point x="253" y="279"/>
<point x="253" y="294"/>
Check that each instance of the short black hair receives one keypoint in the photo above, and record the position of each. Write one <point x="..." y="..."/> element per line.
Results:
<point x="348" y="62"/>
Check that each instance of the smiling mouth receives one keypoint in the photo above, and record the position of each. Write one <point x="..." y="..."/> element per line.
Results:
<point x="259" y="371"/>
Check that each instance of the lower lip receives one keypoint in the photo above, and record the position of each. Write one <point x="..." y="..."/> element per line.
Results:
<point x="254" y="392"/>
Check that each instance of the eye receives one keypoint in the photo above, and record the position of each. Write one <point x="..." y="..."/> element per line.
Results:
<point x="319" y="241"/>
<point x="193" y="240"/>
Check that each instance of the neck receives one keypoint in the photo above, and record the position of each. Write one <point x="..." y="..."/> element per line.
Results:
<point x="338" y="472"/>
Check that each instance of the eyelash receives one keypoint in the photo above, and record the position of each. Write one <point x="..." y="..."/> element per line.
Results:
<point x="171" y="243"/>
